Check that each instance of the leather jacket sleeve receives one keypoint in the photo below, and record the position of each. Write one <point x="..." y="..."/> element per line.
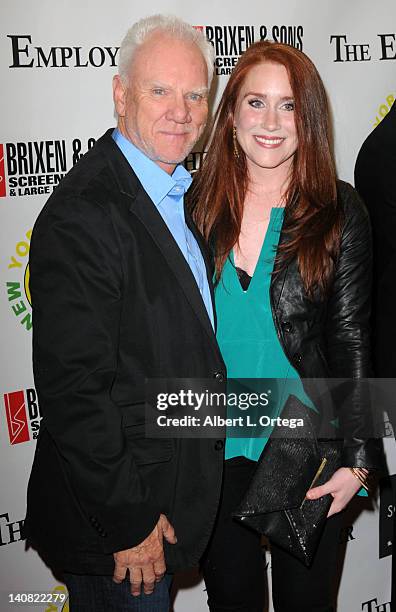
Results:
<point x="347" y="332"/>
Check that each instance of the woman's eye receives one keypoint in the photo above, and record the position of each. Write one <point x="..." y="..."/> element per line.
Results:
<point x="256" y="103"/>
<point x="289" y="106"/>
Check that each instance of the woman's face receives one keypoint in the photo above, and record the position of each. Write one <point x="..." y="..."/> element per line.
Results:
<point x="264" y="118"/>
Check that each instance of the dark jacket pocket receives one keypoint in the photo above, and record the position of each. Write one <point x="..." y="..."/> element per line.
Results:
<point x="147" y="450"/>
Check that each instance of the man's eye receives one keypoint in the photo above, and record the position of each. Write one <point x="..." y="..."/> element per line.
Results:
<point x="195" y="97"/>
<point x="256" y="103"/>
<point x="158" y="91"/>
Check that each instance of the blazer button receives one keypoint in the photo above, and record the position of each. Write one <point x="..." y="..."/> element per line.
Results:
<point x="287" y="326"/>
<point x="219" y="376"/>
<point x="297" y="358"/>
<point x="219" y="445"/>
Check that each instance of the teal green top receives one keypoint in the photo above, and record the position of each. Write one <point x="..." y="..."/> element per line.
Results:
<point x="247" y="336"/>
<point x="248" y="339"/>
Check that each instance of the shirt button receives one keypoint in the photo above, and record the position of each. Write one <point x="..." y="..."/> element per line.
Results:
<point x="219" y="376"/>
<point x="297" y="358"/>
<point x="219" y="445"/>
<point x="287" y="326"/>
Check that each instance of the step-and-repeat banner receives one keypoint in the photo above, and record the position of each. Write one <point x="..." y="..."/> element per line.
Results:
<point x="57" y="60"/>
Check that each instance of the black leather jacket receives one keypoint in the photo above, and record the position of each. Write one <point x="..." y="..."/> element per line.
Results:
<point x="329" y="338"/>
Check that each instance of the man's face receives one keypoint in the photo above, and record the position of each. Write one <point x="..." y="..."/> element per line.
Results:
<point x="163" y="108"/>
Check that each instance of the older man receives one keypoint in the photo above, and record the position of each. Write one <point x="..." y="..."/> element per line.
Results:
<point x="121" y="292"/>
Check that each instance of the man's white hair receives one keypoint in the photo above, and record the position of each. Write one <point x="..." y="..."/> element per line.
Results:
<point x="170" y="25"/>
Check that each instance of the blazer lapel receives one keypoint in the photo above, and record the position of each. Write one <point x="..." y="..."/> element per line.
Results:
<point x="205" y="254"/>
<point x="147" y="213"/>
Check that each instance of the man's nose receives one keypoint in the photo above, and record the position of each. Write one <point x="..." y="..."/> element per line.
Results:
<point x="179" y="110"/>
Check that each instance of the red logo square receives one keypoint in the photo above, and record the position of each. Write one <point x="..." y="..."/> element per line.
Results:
<point x="16" y="417"/>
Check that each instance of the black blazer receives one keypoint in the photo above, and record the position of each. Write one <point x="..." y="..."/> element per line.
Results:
<point x="375" y="180"/>
<point x="114" y="303"/>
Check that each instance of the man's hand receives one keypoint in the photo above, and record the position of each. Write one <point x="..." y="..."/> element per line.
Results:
<point x="145" y="562"/>
<point x="342" y="486"/>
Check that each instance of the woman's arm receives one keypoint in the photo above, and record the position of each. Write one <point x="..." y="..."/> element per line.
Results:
<point x="348" y="350"/>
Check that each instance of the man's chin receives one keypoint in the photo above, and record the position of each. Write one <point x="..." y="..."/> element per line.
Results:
<point x="176" y="158"/>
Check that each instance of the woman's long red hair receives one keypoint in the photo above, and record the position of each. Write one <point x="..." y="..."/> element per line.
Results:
<point x="313" y="216"/>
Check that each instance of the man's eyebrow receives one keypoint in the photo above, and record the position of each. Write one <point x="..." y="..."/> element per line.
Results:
<point x="159" y="84"/>
<point x="203" y="91"/>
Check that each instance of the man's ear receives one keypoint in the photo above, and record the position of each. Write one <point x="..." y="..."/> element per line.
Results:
<point x="119" y="95"/>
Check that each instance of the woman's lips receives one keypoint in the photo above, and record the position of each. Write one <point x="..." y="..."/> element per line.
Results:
<point x="268" y="142"/>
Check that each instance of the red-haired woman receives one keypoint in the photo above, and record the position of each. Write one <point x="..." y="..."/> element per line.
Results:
<point x="292" y="263"/>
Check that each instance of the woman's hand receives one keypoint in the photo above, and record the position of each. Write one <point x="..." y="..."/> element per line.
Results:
<point x="343" y="485"/>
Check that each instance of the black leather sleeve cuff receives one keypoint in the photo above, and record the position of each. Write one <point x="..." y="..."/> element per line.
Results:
<point x="367" y="454"/>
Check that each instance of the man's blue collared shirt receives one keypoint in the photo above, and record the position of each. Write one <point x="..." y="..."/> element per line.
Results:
<point x="167" y="193"/>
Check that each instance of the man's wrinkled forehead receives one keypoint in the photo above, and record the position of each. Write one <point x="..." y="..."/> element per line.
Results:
<point x="160" y="56"/>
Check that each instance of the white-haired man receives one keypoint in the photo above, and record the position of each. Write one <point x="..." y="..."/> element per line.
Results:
<point x="121" y="293"/>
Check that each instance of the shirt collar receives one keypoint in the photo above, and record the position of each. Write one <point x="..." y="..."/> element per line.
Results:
<point x="156" y="182"/>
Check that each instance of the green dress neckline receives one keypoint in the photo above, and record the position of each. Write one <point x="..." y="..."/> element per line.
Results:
<point x="247" y="335"/>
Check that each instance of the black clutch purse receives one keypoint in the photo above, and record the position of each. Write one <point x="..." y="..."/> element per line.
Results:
<point x="292" y="461"/>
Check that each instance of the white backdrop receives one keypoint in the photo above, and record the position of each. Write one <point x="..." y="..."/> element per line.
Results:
<point x="57" y="61"/>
